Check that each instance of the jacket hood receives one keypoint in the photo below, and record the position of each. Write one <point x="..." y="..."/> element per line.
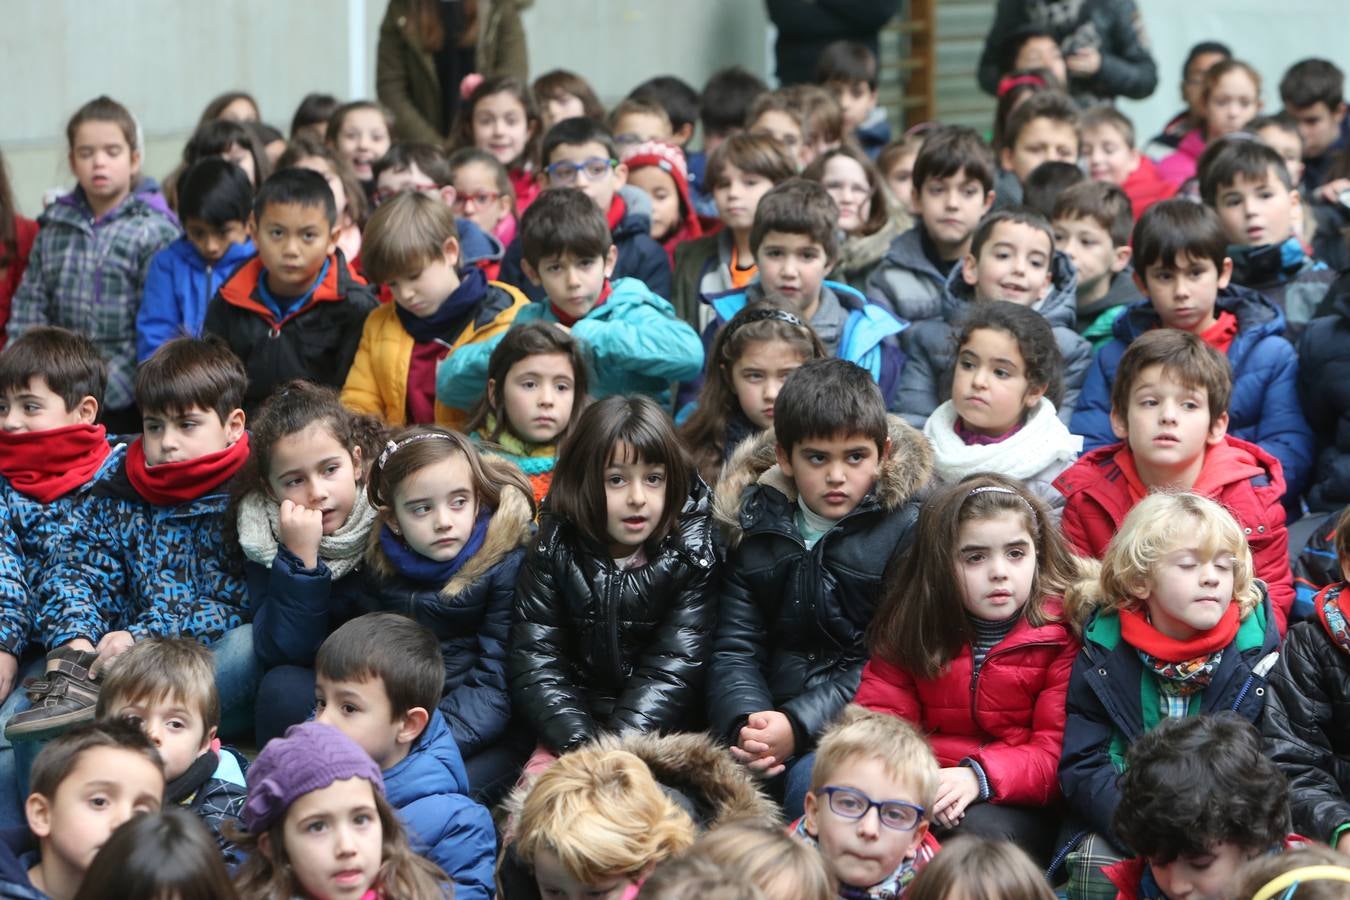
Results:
<point x="1059" y="307"/>
<point x="74" y="209"/>
<point x="1257" y="317"/>
<point x="1231" y="461"/>
<point x="510" y="527"/>
<point x="904" y="472"/>
<point x="476" y="245"/>
<point x="243" y="285"/>
<point x="182" y="251"/>
<point x="858" y="253"/>
<point x="637" y="215"/>
<point x="432" y="767"/>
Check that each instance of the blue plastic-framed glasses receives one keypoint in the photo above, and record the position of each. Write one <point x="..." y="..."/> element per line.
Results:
<point x="848" y="803"/>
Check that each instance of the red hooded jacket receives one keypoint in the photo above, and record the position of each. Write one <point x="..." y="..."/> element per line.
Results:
<point x="1247" y="480"/>
<point x="1009" y="719"/>
<point x="1145" y="187"/>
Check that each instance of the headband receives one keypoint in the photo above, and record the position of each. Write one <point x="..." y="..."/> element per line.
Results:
<point x="392" y="447"/>
<point x="1289" y="881"/>
<point x="1016" y="81"/>
<point x="999" y="489"/>
<point x="761" y="315"/>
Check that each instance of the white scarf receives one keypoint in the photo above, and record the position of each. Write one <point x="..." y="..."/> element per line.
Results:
<point x="1043" y="441"/>
<point x="259" y="523"/>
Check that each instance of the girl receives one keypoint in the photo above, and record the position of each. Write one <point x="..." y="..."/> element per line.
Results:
<point x="896" y="164"/>
<point x="780" y="865"/>
<point x="166" y="854"/>
<point x="237" y="106"/>
<point x="750" y="359"/>
<point x="320" y="827"/>
<point x="88" y="265"/>
<point x="614" y="606"/>
<point x="536" y="390"/>
<point x="232" y="141"/>
<point x="868" y="215"/>
<point x="17" y="235"/>
<point x="501" y="118"/>
<point x="359" y="132"/>
<point x="1013" y="91"/>
<point x="561" y="94"/>
<point x="312" y="115"/>
<point x="659" y="168"/>
<point x="451" y="535"/>
<point x="1001" y="416"/>
<point x="1181" y="627"/>
<point x="307" y="153"/>
<point x="986" y="684"/>
<point x="483" y="192"/>
<point x="779" y="115"/>
<point x="1232" y="98"/>
<point x="979" y="869"/>
<point x="303" y="520"/>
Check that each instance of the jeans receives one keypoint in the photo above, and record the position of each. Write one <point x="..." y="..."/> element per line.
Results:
<point x="237" y="675"/>
<point x="285" y="698"/>
<point x="796" y="785"/>
<point x="15" y="759"/>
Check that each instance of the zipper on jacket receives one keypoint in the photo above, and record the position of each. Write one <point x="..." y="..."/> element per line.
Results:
<point x="209" y="291"/>
<point x="612" y="585"/>
<point x="975" y="673"/>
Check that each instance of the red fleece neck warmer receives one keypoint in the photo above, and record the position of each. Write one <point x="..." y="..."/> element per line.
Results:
<point x="49" y="464"/>
<point x="178" y="482"/>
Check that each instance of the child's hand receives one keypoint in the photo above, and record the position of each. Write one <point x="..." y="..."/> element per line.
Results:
<point x="766" y="742"/>
<point x="301" y="530"/>
<point x="9" y="670"/>
<point x="112" y="645"/>
<point x="958" y="787"/>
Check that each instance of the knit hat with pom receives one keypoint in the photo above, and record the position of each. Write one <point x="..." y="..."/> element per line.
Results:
<point x="669" y="159"/>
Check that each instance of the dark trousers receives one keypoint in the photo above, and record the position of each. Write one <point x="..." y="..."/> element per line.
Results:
<point x="1033" y="828"/>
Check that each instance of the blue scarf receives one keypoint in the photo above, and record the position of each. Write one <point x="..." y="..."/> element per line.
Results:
<point x="416" y="567"/>
<point x="446" y="323"/>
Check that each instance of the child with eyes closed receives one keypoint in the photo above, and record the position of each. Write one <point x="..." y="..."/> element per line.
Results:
<point x="987" y="685"/>
<point x="500" y="116"/>
<point x="1001" y="417"/>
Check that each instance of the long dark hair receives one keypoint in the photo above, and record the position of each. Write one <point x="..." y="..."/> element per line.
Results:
<point x="216" y="136"/>
<point x="882" y="205"/>
<point x="520" y="343"/>
<point x="461" y="132"/>
<point x="162" y="854"/>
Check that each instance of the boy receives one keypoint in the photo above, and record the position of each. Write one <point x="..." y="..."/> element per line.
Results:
<point x="678" y="99"/>
<point x="167" y="686"/>
<point x="637" y="343"/>
<point x="849" y="70"/>
<point x="636" y="120"/>
<point x="1197" y="800"/>
<point x="1046" y="182"/>
<point x="84" y="785"/>
<point x="1247" y="184"/>
<point x="152" y="559"/>
<point x="811" y="510"/>
<point x="863" y="759"/>
<point x="1181" y="266"/>
<point x="1108" y="149"/>
<point x="580" y="153"/>
<point x="378" y="680"/>
<point x="953" y="180"/>
<point x="1092" y="226"/>
<point x="1043" y="128"/>
<point x="1199" y="59"/>
<point x="412" y="244"/>
<point x="1169" y="407"/>
<point x="296" y="309"/>
<point x="214" y="203"/>
<point x="1012" y="257"/>
<point x="1313" y="92"/>
<point x="723" y="106"/>
<point x="780" y="115"/>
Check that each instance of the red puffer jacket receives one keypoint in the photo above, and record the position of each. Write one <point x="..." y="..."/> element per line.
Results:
<point x="1009" y="719"/>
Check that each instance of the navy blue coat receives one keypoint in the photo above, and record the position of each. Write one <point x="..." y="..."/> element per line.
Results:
<point x="1324" y="389"/>
<point x="18" y="852"/>
<point x="295" y="608"/>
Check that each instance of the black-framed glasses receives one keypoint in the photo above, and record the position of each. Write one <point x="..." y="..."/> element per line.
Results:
<point x="849" y="803"/>
<point x="564" y="172"/>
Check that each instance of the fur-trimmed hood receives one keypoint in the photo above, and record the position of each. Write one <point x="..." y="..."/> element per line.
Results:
<point x="905" y="472"/>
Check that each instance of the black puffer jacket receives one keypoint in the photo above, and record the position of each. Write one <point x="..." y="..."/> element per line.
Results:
<point x="1307" y="725"/>
<point x="596" y="648"/>
<point x="791" y="621"/>
<point x="1324" y="393"/>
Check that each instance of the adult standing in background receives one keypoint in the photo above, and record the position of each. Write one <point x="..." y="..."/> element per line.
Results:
<point x="806" y="26"/>
<point x="427" y="47"/>
<point x="1104" y="44"/>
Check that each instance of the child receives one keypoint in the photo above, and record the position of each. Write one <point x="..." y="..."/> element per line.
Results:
<point x="84" y="785"/>
<point x="378" y="680"/>
<point x="1182" y="267"/>
<point x="749" y="361"/>
<point x="1042" y="129"/>
<point x="637" y="121"/>
<point x="623" y="564"/>
<point x="779" y="115"/>
<point x="580" y="153"/>
<point x="1280" y="132"/>
<point x="1182" y="627"/>
<point x="1169" y="406"/>
<point x="17" y="235"/>
<point x="1111" y="156"/>
<point x="1323" y="377"/>
<point x="296" y="310"/>
<point x="439" y="311"/>
<point x="88" y="265"/>
<point x="849" y="70"/>
<point x="319" y="825"/>
<point x="679" y="100"/>
<point x="348" y="195"/>
<point x="1310" y="872"/>
<point x="167" y="686"/>
<point x="659" y="169"/>
<point x="986" y="546"/>
<point x="215" y="203"/>
<point x="1047" y="181"/>
<point x="312" y="115"/>
<point x="1001" y="415"/>
<point x="561" y="94"/>
<point x="453" y="525"/>
<point x="781" y="865"/>
<point x="953" y="187"/>
<point x="635" y="341"/>
<point x="237" y="106"/>
<point x="1199" y="60"/>
<point x="1034" y="47"/>
<point x="723" y="106"/>
<point x="537" y="385"/>
<point x="225" y="139"/>
<point x="1261" y="212"/>
<point x="1232" y="98"/>
<point x="977" y="869"/>
<point x="161" y="854"/>
<point x="896" y="164"/>
<point x="500" y="116"/>
<point x="1313" y="93"/>
<point x="812" y="510"/>
<point x="689" y="876"/>
<point x="1012" y="257"/>
<point x="359" y="132"/>
<point x="153" y="559"/>
<point x="742" y="169"/>
<point x="483" y="194"/>
<point x="822" y="119"/>
<point x="1197" y="800"/>
<point x="864" y="761"/>
<point x="1092" y="224"/>
<point x="867" y="214"/>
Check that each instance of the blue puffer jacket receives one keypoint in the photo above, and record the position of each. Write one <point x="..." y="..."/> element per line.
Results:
<point x="178" y="286"/>
<point x="149" y="570"/>
<point x="18" y="854"/>
<point x="430" y="791"/>
<point x="1264" y="408"/>
<point x="295" y="609"/>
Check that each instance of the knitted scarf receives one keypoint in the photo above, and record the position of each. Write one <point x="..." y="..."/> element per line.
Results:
<point x="45" y="465"/>
<point x="451" y="317"/>
<point x="341" y="551"/>
<point x="1040" y="442"/>
<point x="1183" y="668"/>
<point x="532" y="459"/>
<point x="422" y="570"/>
<point x="1332" y="614"/>
<point x="168" y="484"/>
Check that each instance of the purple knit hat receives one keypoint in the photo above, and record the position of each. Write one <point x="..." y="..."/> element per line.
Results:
<point x="309" y="758"/>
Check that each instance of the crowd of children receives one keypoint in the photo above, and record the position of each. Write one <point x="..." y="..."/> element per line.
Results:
<point x="562" y="512"/>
